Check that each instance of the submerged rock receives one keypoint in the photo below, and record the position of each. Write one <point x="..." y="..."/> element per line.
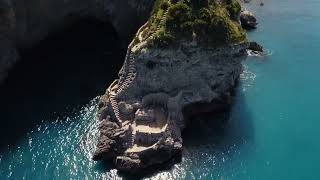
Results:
<point x="160" y="81"/>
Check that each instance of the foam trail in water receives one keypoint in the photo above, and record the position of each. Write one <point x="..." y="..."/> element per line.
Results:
<point x="247" y="78"/>
<point x="266" y="52"/>
<point x="61" y="149"/>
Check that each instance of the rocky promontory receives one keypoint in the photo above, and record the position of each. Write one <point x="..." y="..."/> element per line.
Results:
<point x="186" y="59"/>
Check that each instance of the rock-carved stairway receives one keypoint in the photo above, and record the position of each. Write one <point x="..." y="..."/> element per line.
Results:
<point x="128" y="71"/>
<point x="131" y="139"/>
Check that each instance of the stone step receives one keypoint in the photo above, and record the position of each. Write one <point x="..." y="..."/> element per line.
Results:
<point x="127" y="76"/>
<point x="131" y="139"/>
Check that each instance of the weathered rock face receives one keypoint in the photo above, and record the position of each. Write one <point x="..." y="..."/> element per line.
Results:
<point x="26" y="22"/>
<point x="145" y="110"/>
<point x="255" y="49"/>
<point x="254" y="46"/>
<point x="156" y="85"/>
<point x="200" y="74"/>
<point x="8" y="52"/>
<point x="248" y="20"/>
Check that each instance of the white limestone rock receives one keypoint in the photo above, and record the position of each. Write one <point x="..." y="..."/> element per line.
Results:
<point x="196" y="78"/>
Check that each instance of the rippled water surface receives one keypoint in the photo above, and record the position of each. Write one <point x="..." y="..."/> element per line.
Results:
<point x="272" y="132"/>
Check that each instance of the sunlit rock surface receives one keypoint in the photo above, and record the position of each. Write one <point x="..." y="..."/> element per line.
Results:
<point x="143" y="112"/>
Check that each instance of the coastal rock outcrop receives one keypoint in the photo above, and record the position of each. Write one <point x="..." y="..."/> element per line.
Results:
<point x="172" y="64"/>
<point x="248" y="20"/>
<point x="254" y="46"/>
<point x="26" y="22"/>
<point x="255" y="49"/>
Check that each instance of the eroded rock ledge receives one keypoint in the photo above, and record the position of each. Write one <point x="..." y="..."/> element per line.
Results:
<point x="141" y="113"/>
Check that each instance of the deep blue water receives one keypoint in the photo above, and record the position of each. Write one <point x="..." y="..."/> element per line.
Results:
<point x="272" y="133"/>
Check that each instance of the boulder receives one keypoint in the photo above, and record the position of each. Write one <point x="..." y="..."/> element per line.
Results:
<point x="111" y="140"/>
<point x="248" y="20"/>
<point x="125" y="108"/>
<point x="254" y="46"/>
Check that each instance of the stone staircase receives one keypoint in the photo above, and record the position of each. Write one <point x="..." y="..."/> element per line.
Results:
<point x="128" y="71"/>
<point x="162" y="22"/>
<point x="131" y="139"/>
<point x="115" y="106"/>
<point x="163" y="19"/>
<point x="129" y="77"/>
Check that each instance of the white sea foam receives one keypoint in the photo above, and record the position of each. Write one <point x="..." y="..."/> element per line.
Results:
<point x="266" y="52"/>
<point x="247" y="78"/>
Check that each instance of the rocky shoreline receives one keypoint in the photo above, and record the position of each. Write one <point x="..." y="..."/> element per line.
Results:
<point x="144" y="112"/>
<point x="151" y="109"/>
<point x="248" y="20"/>
<point x="185" y="60"/>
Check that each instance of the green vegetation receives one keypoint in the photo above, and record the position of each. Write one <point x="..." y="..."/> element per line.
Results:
<point x="212" y="24"/>
<point x="234" y="9"/>
<point x="163" y="38"/>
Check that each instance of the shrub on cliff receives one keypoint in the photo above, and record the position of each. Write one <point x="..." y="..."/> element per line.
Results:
<point x="214" y="27"/>
<point x="234" y="9"/>
<point x="160" y="4"/>
<point x="163" y="38"/>
<point x="179" y="17"/>
<point x="212" y="24"/>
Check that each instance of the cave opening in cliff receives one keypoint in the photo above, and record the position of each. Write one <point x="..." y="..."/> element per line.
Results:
<point x="63" y="71"/>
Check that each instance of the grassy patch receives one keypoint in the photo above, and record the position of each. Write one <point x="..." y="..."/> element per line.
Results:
<point x="212" y="24"/>
<point x="234" y="9"/>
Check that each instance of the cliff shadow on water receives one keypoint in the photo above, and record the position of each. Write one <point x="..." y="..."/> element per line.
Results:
<point x="57" y="75"/>
<point x="222" y="135"/>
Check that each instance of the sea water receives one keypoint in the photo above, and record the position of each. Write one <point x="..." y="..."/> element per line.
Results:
<point x="272" y="131"/>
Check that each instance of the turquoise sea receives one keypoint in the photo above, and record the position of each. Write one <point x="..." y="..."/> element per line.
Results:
<point x="272" y="132"/>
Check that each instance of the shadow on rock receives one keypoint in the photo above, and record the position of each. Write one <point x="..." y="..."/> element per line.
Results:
<point x="107" y="166"/>
<point x="151" y="171"/>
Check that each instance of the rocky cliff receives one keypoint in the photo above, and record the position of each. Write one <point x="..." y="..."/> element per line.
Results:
<point x="185" y="60"/>
<point x="25" y="22"/>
